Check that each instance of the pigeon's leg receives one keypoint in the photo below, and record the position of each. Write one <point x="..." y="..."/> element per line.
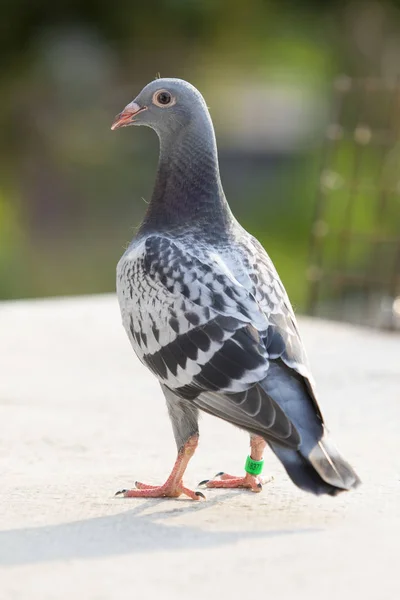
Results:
<point x="184" y="418"/>
<point x="253" y="482"/>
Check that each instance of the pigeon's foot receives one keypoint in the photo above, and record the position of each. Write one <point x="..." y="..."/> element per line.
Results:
<point x="167" y="490"/>
<point x="223" y="480"/>
<point x="173" y="487"/>
<point x="249" y="481"/>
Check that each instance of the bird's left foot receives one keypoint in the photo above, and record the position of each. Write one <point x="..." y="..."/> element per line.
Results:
<point x="223" y="480"/>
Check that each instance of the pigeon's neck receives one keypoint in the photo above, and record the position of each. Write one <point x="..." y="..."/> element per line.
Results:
<point x="188" y="190"/>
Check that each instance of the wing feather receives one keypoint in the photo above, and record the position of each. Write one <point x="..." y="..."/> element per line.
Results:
<point x="209" y="336"/>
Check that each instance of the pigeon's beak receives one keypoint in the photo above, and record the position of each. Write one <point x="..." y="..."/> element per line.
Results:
<point x="126" y="117"/>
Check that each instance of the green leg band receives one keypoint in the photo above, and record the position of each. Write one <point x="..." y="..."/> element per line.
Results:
<point x="254" y="467"/>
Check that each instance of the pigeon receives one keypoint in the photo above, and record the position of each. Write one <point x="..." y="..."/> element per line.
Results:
<point x="206" y="312"/>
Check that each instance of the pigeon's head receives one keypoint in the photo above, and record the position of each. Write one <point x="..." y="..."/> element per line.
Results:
<point x="165" y="105"/>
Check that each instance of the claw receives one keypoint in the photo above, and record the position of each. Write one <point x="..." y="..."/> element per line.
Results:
<point x="120" y="492"/>
<point x="219" y="474"/>
<point x="203" y="482"/>
<point x="200" y="495"/>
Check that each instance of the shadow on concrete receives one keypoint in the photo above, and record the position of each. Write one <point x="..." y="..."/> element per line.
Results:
<point x="126" y="533"/>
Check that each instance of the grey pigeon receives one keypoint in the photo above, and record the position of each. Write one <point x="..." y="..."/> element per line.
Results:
<point x="206" y="312"/>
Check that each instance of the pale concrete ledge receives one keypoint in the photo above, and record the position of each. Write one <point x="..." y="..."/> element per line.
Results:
<point x="81" y="418"/>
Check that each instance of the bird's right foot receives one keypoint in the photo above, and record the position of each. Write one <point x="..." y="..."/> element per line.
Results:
<point x="173" y="487"/>
<point x="167" y="490"/>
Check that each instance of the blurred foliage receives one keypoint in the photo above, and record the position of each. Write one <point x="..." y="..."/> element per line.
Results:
<point x="70" y="190"/>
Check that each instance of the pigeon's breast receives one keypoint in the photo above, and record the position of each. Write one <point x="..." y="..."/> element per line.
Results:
<point x="154" y="311"/>
<point x="134" y="295"/>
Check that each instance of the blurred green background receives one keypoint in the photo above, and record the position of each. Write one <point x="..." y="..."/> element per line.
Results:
<point x="72" y="192"/>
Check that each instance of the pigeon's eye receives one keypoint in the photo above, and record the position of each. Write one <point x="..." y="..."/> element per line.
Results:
<point x="162" y="98"/>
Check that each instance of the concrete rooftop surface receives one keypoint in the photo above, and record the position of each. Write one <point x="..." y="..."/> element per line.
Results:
<point x="81" y="418"/>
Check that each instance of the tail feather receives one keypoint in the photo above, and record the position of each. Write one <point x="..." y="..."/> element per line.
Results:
<point x="302" y="473"/>
<point x="323" y="471"/>
<point x="316" y="465"/>
<point x="331" y="466"/>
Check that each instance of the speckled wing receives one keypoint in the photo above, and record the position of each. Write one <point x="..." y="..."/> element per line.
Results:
<point x="282" y="339"/>
<point x="265" y="285"/>
<point x="201" y="332"/>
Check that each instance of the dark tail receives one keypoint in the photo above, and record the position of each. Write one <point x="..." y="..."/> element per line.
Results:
<point x="323" y="471"/>
<point x="316" y="465"/>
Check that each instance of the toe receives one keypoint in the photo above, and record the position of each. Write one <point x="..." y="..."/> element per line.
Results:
<point x="193" y="495"/>
<point x="257" y="489"/>
<point x="144" y="486"/>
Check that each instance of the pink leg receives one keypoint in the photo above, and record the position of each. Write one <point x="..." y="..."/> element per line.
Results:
<point x="255" y="483"/>
<point x="173" y="487"/>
